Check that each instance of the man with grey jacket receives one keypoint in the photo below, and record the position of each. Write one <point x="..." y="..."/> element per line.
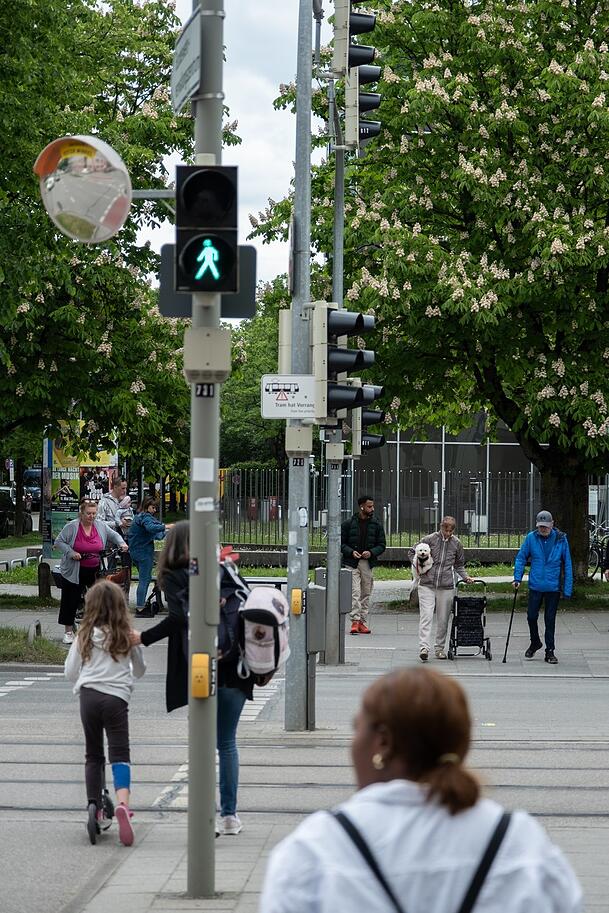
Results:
<point x="437" y="587"/>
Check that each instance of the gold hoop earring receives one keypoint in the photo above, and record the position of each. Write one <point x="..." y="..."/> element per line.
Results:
<point x="378" y="762"/>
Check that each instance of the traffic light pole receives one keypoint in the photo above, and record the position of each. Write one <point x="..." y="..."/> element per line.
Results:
<point x="334" y="626"/>
<point x="203" y="496"/>
<point x="298" y="436"/>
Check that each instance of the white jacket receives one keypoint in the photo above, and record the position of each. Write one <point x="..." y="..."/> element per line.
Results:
<point x="101" y="672"/>
<point x="428" y="857"/>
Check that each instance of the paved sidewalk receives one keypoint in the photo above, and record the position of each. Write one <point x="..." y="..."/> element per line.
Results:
<point x="305" y="771"/>
<point x="533" y="745"/>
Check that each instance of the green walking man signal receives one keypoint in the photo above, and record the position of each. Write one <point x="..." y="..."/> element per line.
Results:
<point x="206" y="249"/>
<point x="207" y="258"/>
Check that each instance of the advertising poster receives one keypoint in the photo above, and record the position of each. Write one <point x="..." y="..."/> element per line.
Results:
<point x="67" y="479"/>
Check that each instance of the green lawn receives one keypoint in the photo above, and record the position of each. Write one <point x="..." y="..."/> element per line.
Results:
<point x="21" y="541"/>
<point x="14" y="648"/>
<point x="26" y="575"/>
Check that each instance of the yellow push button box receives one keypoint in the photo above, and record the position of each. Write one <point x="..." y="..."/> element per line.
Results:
<point x="296" y="600"/>
<point x="199" y="675"/>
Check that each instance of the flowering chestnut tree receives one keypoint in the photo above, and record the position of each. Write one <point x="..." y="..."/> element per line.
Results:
<point x="478" y="227"/>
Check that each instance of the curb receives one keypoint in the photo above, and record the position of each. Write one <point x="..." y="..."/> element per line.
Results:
<point x="30" y="667"/>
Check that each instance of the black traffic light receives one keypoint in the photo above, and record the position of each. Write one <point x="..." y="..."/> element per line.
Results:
<point x="357" y="129"/>
<point x="362" y="419"/>
<point x="207" y="252"/>
<point x="331" y="328"/>
<point x="347" y="24"/>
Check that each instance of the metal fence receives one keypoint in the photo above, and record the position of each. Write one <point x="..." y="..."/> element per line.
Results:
<point x="491" y="509"/>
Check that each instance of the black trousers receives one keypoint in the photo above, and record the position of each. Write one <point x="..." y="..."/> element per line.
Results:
<point x="103" y="712"/>
<point x="71" y="594"/>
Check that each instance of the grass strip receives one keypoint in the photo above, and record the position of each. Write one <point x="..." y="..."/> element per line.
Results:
<point x="14" y="648"/>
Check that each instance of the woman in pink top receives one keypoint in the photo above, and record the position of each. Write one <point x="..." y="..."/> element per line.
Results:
<point x="84" y="536"/>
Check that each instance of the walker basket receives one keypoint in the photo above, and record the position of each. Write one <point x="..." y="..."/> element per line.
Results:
<point x="468" y="622"/>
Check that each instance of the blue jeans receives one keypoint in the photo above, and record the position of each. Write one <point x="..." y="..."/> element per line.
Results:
<point x="549" y="616"/>
<point x="230" y="705"/>
<point x="144" y="564"/>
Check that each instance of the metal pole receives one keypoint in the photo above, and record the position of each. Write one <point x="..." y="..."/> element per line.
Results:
<point x="331" y="655"/>
<point x="397" y="485"/>
<point x="204" y="525"/>
<point x="298" y="437"/>
<point x="488" y="484"/>
<point x="443" y="471"/>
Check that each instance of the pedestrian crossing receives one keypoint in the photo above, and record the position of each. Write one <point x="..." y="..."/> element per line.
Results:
<point x="26" y="681"/>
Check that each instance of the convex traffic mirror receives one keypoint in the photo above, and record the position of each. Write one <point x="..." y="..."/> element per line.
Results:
<point x="85" y="188"/>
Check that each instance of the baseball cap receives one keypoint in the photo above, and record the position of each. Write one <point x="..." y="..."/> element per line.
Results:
<point x="544" y="518"/>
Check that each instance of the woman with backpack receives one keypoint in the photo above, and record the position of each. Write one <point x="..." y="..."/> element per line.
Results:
<point x="416" y="836"/>
<point x="233" y="691"/>
<point x="143" y="532"/>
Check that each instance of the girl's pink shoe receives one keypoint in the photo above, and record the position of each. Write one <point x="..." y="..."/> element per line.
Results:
<point x="125" y="830"/>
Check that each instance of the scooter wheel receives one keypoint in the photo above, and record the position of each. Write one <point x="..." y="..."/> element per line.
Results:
<point x="92" y="826"/>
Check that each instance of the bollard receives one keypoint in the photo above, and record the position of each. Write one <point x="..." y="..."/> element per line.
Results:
<point x="34" y="631"/>
<point x="345" y="586"/>
<point x="316" y="641"/>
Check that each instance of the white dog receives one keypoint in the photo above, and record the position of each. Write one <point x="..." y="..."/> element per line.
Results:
<point x="422" y="561"/>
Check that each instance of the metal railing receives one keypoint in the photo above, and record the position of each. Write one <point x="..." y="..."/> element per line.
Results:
<point x="492" y="510"/>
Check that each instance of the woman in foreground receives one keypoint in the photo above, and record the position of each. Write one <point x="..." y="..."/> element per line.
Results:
<point x="421" y="821"/>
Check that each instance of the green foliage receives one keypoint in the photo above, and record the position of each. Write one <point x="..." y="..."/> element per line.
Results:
<point x="247" y="438"/>
<point x="477" y="224"/>
<point x="80" y="333"/>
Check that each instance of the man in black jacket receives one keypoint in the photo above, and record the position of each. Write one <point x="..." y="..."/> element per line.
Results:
<point x="362" y="542"/>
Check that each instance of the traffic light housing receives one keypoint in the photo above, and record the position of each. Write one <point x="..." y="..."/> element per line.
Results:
<point x="346" y="24"/>
<point x="362" y="419"/>
<point x="207" y="252"/>
<point x="331" y="325"/>
<point x="357" y="129"/>
<point x="353" y="61"/>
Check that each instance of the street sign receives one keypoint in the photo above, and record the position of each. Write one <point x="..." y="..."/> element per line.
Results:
<point x="179" y="304"/>
<point x="186" y="72"/>
<point x="287" y="396"/>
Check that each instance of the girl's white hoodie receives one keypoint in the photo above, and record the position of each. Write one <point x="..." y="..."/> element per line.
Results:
<point x="101" y="672"/>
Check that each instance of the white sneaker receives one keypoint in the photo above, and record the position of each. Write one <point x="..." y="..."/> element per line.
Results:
<point x="218" y="825"/>
<point x="68" y="637"/>
<point x="424" y="654"/>
<point x="440" y="654"/>
<point x="231" y="824"/>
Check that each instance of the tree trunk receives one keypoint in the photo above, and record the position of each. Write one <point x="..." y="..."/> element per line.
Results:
<point x="566" y="497"/>
<point x="19" y="504"/>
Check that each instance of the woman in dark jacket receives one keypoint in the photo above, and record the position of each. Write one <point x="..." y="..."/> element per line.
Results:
<point x="172" y="575"/>
<point x="233" y="691"/>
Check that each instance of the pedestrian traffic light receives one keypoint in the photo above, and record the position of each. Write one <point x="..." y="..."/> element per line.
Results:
<point x="207" y="253"/>
<point x="357" y="129"/>
<point x="331" y="327"/>
<point x="346" y="24"/>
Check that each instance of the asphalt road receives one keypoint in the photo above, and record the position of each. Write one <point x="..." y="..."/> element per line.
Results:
<point x="46" y="859"/>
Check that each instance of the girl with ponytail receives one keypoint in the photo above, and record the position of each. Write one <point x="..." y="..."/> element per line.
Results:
<point x="417" y="836"/>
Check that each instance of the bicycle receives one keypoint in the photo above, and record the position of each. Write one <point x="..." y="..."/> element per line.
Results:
<point x="598" y="544"/>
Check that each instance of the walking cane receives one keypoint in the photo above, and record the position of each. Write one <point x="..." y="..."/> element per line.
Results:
<point x="507" y="640"/>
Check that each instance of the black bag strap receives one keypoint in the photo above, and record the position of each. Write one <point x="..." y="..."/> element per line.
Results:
<point x="364" y="849"/>
<point x="485" y="863"/>
<point x="479" y="875"/>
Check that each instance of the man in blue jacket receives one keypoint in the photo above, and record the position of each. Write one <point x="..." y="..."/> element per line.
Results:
<point x="546" y="549"/>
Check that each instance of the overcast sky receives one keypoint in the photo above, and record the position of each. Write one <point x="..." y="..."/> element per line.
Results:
<point x="261" y="47"/>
